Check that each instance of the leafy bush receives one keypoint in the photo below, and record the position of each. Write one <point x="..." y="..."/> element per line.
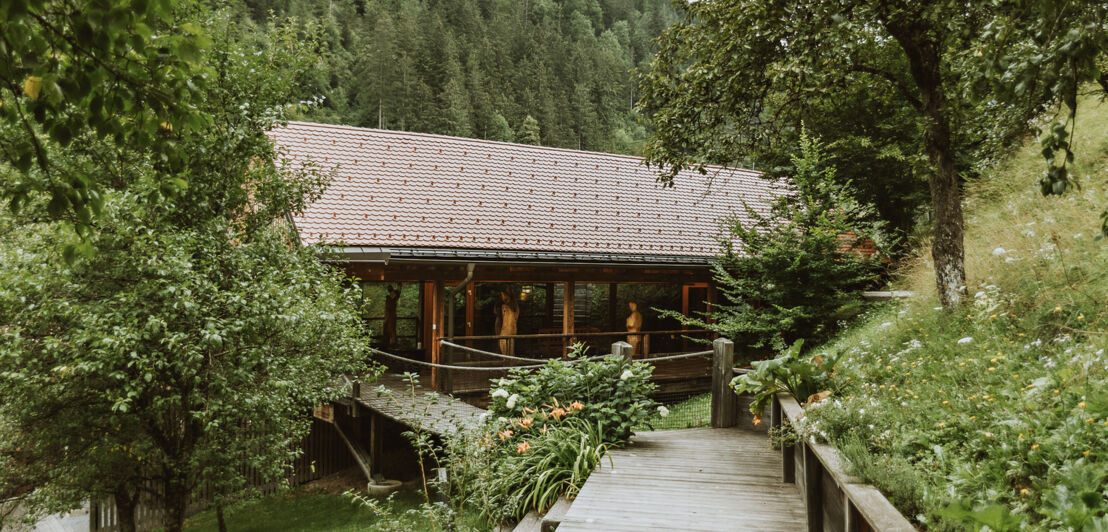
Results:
<point x="612" y="391"/>
<point x="802" y="376"/>
<point x="545" y="432"/>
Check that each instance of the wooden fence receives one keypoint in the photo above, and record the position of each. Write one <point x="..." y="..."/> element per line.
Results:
<point x="323" y="453"/>
<point x="836" y="501"/>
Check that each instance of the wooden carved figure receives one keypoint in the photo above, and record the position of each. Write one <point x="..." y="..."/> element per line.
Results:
<point x="506" y="324"/>
<point x="634" y="325"/>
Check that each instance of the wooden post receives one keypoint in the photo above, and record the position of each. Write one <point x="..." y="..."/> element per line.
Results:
<point x="567" y="315"/>
<point x="613" y="320"/>
<point x="471" y="311"/>
<point x="788" y="452"/>
<point x="438" y="306"/>
<point x="723" y="397"/>
<point x="813" y="490"/>
<point x="376" y="441"/>
<point x="623" y="349"/>
<point x="852" y="520"/>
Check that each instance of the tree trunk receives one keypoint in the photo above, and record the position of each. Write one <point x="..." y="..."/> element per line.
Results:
<point x="176" y="502"/>
<point x="947" y="246"/>
<point x="125" y="504"/>
<point x="219" y="518"/>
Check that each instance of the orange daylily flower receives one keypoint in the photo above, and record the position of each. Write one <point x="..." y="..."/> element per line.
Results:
<point x="576" y="405"/>
<point x="558" y="413"/>
<point x="526" y="422"/>
<point x="506" y="434"/>
<point x="523" y="447"/>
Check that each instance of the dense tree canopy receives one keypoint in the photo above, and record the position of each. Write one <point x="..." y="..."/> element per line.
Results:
<point x="68" y="69"/>
<point x="469" y="68"/>
<point x="187" y="350"/>
<point x="735" y="79"/>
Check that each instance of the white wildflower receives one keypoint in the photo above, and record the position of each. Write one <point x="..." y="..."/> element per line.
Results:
<point x="663" y="411"/>
<point x="500" y="392"/>
<point x="999" y="251"/>
<point x="965" y="340"/>
<point x="512" y="401"/>
<point x="627" y="374"/>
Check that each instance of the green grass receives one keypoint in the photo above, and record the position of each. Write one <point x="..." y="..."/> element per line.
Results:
<point x="996" y="411"/>
<point x="691" y="413"/>
<point x="314" y="512"/>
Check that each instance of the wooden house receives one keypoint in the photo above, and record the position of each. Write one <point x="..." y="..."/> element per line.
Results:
<point x="438" y="228"/>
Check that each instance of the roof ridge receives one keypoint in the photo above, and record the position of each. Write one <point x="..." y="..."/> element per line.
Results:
<point x="398" y="132"/>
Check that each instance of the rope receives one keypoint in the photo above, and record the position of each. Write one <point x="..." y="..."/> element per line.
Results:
<point x="674" y="357"/>
<point x="447" y="366"/>
<point x="531" y="366"/>
<point x="491" y="354"/>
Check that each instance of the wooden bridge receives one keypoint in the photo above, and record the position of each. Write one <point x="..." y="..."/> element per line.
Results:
<point x="695" y="479"/>
<point x="722" y="478"/>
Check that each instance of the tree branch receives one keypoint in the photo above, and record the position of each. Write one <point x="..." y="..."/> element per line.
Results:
<point x="895" y="81"/>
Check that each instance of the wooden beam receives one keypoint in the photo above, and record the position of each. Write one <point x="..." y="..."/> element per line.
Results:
<point x="400" y="272"/>
<point x="427" y="303"/>
<point x="471" y="309"/>
<point x="438" y="320"/>
<point x="568" y="294"/>
<point x="613" y="320"/>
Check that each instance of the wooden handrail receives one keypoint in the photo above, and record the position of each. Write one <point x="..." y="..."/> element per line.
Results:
<point x="862" y="501"/>
<point x="572" y="335"/>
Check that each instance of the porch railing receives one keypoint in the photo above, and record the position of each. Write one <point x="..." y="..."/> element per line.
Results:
<point x="502" y="351"/>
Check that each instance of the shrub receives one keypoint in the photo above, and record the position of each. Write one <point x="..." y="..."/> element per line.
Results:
<point x="794" y="272"/>
<point x="803" y="376"/>
<point x="613" y="392"/>
<point x="546" y="430"/>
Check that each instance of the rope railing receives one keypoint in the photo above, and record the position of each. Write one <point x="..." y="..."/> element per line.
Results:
<point x="528" y="366"/>
<point x="491" y="354"/>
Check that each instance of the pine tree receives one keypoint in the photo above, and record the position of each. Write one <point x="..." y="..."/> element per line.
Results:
<point x="529" y="132"/>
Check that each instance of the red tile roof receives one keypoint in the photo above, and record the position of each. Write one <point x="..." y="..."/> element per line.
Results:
<point x="412" y="190"/>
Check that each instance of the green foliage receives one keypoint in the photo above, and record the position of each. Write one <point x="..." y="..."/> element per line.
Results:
<point x="612" y="392"/>
<point x="529" y="132"/>
<point x="455" y="67"/>
<point x="546" y="430"/>
<point x="735" y="80"/>
<point x="994" y="415"/>
<point x="507" y="473"/>
<point x="129" y="71"/>
<point x="793" y="272"/>
<point x="184" y="353"/>
<point x="802" y="376"/>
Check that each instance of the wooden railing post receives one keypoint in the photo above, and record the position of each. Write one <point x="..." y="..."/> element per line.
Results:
<point x="788" y="452"/>
<point x="724" y="400"/>
<point x="623" y="349"/>
<point x="813" y="489"/>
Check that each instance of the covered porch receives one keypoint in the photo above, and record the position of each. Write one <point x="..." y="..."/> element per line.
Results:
<point x="454" y="312"/>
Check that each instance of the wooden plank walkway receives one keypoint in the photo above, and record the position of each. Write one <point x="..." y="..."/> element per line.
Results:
<point x="393" y="397"/>
<point x="695" y="479"/>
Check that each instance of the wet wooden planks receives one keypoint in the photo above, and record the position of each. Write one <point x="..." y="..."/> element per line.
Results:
<point x="696" y="479"/>
<point x="395" y="398"/>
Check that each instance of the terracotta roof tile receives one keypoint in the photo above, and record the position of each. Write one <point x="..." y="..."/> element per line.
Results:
<point x="399" y="189"/>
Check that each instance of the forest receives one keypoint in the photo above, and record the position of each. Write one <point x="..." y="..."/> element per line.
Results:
<point x="555" y="73"/>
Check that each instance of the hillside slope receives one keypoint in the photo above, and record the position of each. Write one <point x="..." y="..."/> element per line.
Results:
<point x="997" y="412"/>
<point x="480" y="68"/>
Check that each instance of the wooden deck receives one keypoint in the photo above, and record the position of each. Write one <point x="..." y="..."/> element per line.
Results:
<point x="423" y="408"/>
<point x="696" y="479"/>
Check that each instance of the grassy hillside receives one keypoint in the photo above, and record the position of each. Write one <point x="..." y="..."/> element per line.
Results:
<point x="995" y="413"/>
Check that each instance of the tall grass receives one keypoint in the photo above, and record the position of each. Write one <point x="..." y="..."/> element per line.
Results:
<point x="990" y="411"/>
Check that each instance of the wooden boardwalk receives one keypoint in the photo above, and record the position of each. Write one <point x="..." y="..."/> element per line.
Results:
<point x="393" y="397"/>
<point x="696" y="479"/>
